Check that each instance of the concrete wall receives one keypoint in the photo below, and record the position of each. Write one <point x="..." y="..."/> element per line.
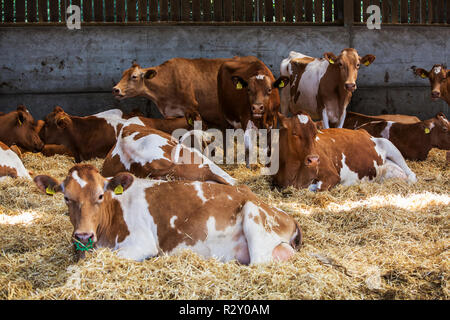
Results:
<point x="47" y="66"/>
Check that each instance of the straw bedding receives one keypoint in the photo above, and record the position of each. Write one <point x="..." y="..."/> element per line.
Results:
<point x="371" y="241"/>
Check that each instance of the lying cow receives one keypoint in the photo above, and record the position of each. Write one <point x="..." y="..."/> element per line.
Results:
<point x="10" y="164"/>
<point x="19" y="128"/>
<point x="321" y="87"/>
<point x="414" y="140"/>
<point x="147" y="152"/>
<point x="175" y="86"/>
<point x="439" y="77"/>
<point x="319" y="160"/>
<point x="354" y="120"/>
<point x="94" y="136"/>
<point x="142" y="218"/>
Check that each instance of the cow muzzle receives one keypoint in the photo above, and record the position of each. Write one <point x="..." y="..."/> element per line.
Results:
<point x="84" y="238"/>
<point x="351" y="87"/>
<point x="435" y="94"/>
<point x="257" y="110"/>
<point x="117" y="92"/>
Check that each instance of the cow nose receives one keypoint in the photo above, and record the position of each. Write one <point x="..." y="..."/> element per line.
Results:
<point x="257" y="108"/>
<point x="312" y="160"/>
<point x="350" y="86"/>
<point x="435" y="94"/>
<point x="84" y="237"/>
<point x="116" y="91"/>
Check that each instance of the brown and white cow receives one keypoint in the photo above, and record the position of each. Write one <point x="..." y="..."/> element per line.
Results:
<point x="10" y="164"/>
<point x="19" y="128"/>
<point x="319" y="160"/>
<point x="354" y="120"/>
<point x="321" y="87"/>
<point x="439" y="77"/>
<point x="175" y="86"/>
<point x="147" y="152"/>
<point x="414" y="140"/>
<point x="142" y="218"/>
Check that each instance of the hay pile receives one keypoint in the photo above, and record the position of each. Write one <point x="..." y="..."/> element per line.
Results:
<point x="372" y="241"/>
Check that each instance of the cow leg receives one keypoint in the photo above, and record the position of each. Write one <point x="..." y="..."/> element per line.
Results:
<point x="263" y="245"/>
<point x="342" y="119"/>
<point x="326" y="123"/>
<point x="249" y="142"/>
<point x="394" y="155"/>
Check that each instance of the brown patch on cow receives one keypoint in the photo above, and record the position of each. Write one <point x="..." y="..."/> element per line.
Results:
<point x="298" y="66"/>
<point x="354" y="120"/>
<point x="8" y="172"/>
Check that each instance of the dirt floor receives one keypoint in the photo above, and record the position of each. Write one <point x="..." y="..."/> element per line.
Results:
<point x="371" y="241"/>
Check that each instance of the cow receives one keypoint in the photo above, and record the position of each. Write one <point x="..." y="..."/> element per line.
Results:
<point x="19" y="128"/>
<point x="322" y="87"/>
<point x="319" y="160"/>
<point x="147" y="152"/>
<point x="175" y="86"/>
<point x="354" y="120"/>
<point x="439" y="77"/>
<point x="11" y="165"/>
<point x="143" y="218"/>
<point x="414" y="140"/>
<point x="94" y="136"/>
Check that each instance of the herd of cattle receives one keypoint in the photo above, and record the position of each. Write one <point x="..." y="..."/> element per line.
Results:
<point x="199" y="206"/>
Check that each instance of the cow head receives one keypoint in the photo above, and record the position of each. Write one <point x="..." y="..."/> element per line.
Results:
<point x="260" y="89"/>
<point x="298" y="160"/>
<point x="19" y="127"/>
<point x="89" y="198"/>
<point x="57" y="125"/>
<point x="439" y="130"/>
<point x="437" y="76"/>
<point x="348" y="63"/>
<point x="133" y="82"/>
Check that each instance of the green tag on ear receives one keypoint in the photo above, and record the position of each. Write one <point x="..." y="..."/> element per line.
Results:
<point x="427" y="131"/>
<point x="281" y="84"/>
<point x="49" y="190"/>
<point x="118" y="189"/>
<point x="239" y="85"/>
<point x="423" y="75"/>
<point x="331" y="61"/>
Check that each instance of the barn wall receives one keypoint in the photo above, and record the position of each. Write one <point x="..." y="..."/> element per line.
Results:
<point x="47" y="66"/>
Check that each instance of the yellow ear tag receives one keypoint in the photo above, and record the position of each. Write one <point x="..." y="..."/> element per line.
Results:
<point x="190" y="121"/>
<point x="427" y="130"/>
<point x="281" y="84"/>
<point x="118" y="189"/>
<point x="366" y="63"/>
<point x="20" y="122"/>
<point x="423" y="75"/>
<point x="49" y="190"/>
<point x="239" y="86"/>
<point x="331" y="61"/>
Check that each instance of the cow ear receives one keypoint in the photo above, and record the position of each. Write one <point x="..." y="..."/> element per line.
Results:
<point x="330" y="57"/>
<point x="63" y="122"/>
<point x="150" y="74"/>
<point x="281" y="82"/>
<point x="239" y="83"/>
<point x="20" y="118"/>
<point x="58" y="109"/>
<point x="368" y="59"/>
<point x="21" y="107"/>
<point x="121" y="182"/>
<point x="421" y="72"/>
<point x="47" y="184"/>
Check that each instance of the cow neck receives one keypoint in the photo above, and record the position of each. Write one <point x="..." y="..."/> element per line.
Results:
<point x="332" y="79"/>
<point x="81" y="131"/>
<point x="112" y="227"/>
<point x="5" y="130"/>
<point x="422" y="141"/>
<point x="445" y="90"/>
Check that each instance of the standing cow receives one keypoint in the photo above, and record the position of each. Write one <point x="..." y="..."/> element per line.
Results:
<point x="175" y="86"/>
<point x="439" y="77"/>
<point x="322" y="87"/>
<point x="142" y="218"/>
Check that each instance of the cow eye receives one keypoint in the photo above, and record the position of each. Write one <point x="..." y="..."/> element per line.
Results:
<point x="339" y="64"/>
<point x="134" y="77"/>
<point x="269" y="91"/>
<point x="67" y="200"/>
<point x="100" y="197"/>
<point x="357" y="66"/>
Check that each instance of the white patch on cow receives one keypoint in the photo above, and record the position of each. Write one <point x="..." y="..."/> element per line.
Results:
<point x="325" y="121"/>
<point x="113" y="117"/>
<point x="303" y="119"/>
<point x="143" y="150"/>
<point x="9" y="158"/>
<point x="334" y="141"/>
<point x="348" y="177"/>
<point x="142" y="241"/>
<point x="437" y="69"/>
<point x="172" y="221"/>
<point x="317" y="138"/>
<point x="198" y="187"/>
<point x="386" y="131"/>
<point x="77" y="178"/>
<point x="308" y="85"/>
<point x="260" y="77"/>
<point x="315" y="186"/>
<point x="235" y="124"/>
<point x="431" y="125"/>
<point x="229" y="197"/>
